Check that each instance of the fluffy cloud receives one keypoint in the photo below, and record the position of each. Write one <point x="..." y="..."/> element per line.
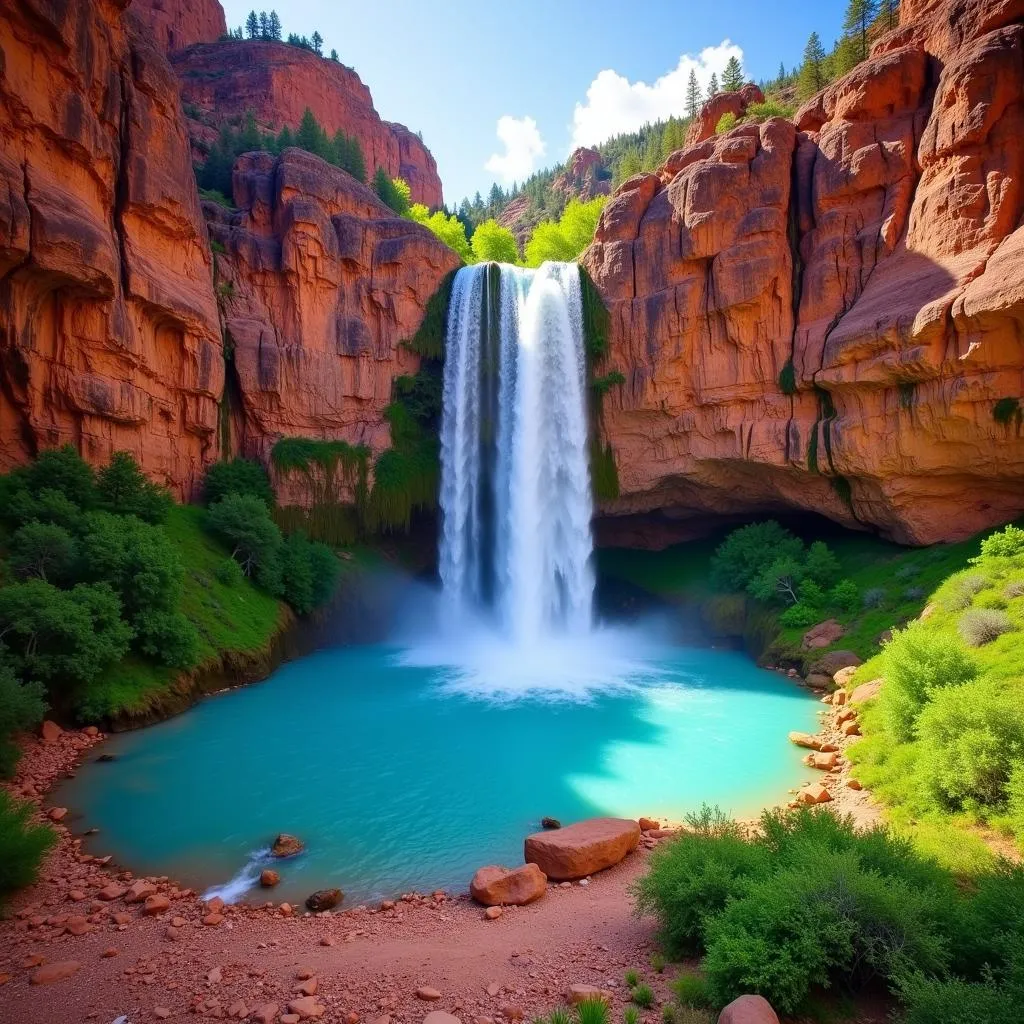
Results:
<point x="615" y="105"/>
<point x="523" y="146"/>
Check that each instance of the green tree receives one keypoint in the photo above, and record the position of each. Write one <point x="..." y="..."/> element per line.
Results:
<point x="692" y="95"/>
<point x="334" y="55"/>
<point x="889" y="14"/>
<point x="43" y="551"/>
<point x="249" y="140"/>
<point x="22" y="706"/>
<point x="318" y="44"/>
<point x="713" y="86"/>
<point x="748" y="551"/>
<point x="64" y="470"/>
<point x="264" y="25"/>
<point x="252" y="25"/>
<point x="812" y="71"/>
<point x="567" y="238"/>
<point x="62" y="637"/>
<point x="285" y="138"/>
<point x="732" y="77"/>
<point x="859" y="16"/>
<point x="493" y="242"/>
<point x="238" y="476"/>
<point x="447" y="227"/>
<point x="122" y="487"/>
<point x="310" y="135"/>
<point x="275" y="26"/>
<point x="244" y="522"/>
<point x="309" y="572"/>
<point x="390" y="192"/>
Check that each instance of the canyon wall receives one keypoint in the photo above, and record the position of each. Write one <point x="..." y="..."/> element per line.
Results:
<point x="319" y="283"/>
<point x="222" y="81"/>
<point x="829" y="315"/>
<point x="109" y="334"/>
<point x="176" y="24"/>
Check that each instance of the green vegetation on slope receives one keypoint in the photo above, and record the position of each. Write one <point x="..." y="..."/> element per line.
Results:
<point x="811" y="903"/>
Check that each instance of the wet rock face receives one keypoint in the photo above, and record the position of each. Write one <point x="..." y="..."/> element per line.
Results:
<point x="277" y="82"/>
<point x="320" y="283"/>
<point x="176" y="24"/>
<point x="826" y="317"/>
<point x="109" y="337"/>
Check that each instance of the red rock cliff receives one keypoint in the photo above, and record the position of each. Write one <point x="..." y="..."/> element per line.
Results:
<point x="277" y="82"/>
<point x="175" y="24"/>
<point x="109" y="337"/>
<point x="319" y="283"/>
<point x="824" y="315"/>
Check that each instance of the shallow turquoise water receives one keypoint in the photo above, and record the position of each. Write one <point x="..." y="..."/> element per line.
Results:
<point x="400" y="775"/>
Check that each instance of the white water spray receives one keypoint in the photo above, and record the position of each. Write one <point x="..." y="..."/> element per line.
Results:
<point x="515" y="481"/>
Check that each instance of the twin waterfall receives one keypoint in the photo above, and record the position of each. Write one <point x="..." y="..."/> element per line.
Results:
<point x="515" y="484"/>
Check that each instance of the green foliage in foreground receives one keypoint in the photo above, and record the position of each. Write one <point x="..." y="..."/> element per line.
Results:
<point x="23" y="844"/>
<point x="944" y="743"/>
<point x="22" y="705"/>
<point x="812" y="902"/>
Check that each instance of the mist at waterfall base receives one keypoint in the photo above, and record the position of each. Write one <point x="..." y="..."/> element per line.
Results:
<point x="495" y="701"/>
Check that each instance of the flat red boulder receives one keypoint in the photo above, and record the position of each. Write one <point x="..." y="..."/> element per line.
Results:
<point x="748" y="1010"/>
<point x="581" y="849"/>
<point x="499" y="887"/>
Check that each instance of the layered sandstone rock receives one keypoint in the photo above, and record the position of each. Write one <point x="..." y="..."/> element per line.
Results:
<point x="319" y="283"/>
<point x="277" y="82"/>
<point x="109" y="337"/>
<point x="583" y="177"/>
<point x="722" y="103"/>
<point x="582" y="849"/>
<point x="825" y="316"/>
<point x="176" y="24"/>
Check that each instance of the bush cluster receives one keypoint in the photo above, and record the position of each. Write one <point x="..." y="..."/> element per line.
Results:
<point x="812" y="902"/>
<point x="294" y="568"/>
<point x="775" y="567"/>
<point x="93" y="576"/>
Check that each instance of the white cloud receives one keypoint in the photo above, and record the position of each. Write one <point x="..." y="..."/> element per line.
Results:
<point x="615" y="105"/>
<point x="523" y="147"/>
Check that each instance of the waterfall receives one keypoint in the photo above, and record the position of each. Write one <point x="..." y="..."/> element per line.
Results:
<point x="515" y="482"/>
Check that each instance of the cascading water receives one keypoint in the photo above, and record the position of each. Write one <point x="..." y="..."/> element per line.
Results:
<point x="515" y="482"/>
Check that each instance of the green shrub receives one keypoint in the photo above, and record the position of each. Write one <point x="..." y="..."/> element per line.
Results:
<point x="592" y="1011"/>
<point x="642" y="995"/>
<point x="239" y="476"/>
<point x="167" y="637"/>
<point x="758" y="112"/>
<point x="1007" y="543"/>
<point x="65" y="471"/>
<point x="961" y="590"/>
<point x="657" y="963"/>
<point x="229" y="572"/>
<point x="799" y="616"/>
<point x="668" y="1014"/>
<point x="630" y="1015"/>
<point x="1014" y="589"/>
<point x="22" y="844"/>
<point x="874" y="597"/>
<point x="243" y="521"/>
<point x="845" y="595"/>
<point x="918" y="661"/>
<point x="691" y="879"/>
<point x="787" y="379"/>
<point x="952" y="1001"/>
<point x="632" y="978"/>
<point x="726" y="123"/>
<point x="22" y="706"/>
<point x="971" y="736"/>
<point x="979" y="626"/>
<point x="692" y="990"/>
<point x="121" y="487"/>
<point x="43" y="551"/>
<point x="804" y="925"/>
<point x="748" y="551"/>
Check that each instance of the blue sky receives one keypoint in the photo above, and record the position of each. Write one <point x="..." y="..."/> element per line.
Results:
<point x="545" y="75"/>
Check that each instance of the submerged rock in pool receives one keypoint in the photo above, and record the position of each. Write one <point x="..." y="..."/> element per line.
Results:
<point x="550" y="823"/>
<point x="286" y="846"/>
<point x="581" y="849"/>
<point x="269" y="878"/>
<point x="324" y="899"/>
<point x="495" y="886"/>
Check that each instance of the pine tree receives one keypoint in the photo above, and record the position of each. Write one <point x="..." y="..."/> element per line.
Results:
<point x="889" y="14"/>
<point x="275" y="27"/>
<point x="318" y="44"/>
<point x="859" y="16"/>
<point x="334" y="56"/>
<point x="713" y="85"/>
<point x="252" y="25"/>
<point x="250" y="139"/>
<point x="812" y="72"/>
<point x="264" y="25"/>
<point x="692" y="95"/>
<point x="285" y="139"/>
<point x="781" y="80"/>
<point x="732" y="77"/>
<point x="311" y="137"/>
